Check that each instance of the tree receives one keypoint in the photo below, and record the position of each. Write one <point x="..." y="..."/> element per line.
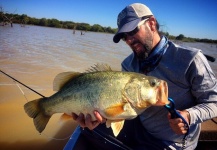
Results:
<point x="108" y="29"/>
<point x="33" y="21"/>
<point x="68" y="25"/>
<point x="43" y="22"/>
<point x="1" y="14"/>
<point x="97" y="28"/>
<point x="83" y="26"/>
<point x="5" y="18"/>
<point x="24" y="19"/>
<point x="180" y="37"/>
<point x="54" y="23"/>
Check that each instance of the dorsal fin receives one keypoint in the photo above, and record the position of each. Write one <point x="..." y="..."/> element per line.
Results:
<point x="61" y="79"/>
<point x="99" y="67"/>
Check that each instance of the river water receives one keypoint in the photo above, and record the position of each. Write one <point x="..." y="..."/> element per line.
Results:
<point x="33" y="50"/>
<point x="35" y="55"/>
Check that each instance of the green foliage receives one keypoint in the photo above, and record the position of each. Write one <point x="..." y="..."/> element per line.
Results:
<point x="83" y="26"/>
<point x="97" y="28"/>
<point x="54" y="23"/>
<point x="24" y="19"/>
<point x="69" y="25"/>
<point x="180" y="37"/>
<point x="42" y="22"/>
<point x="206" y="40"/>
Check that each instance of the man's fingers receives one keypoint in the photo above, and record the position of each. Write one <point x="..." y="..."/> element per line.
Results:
<point x="74" y="116"/>
<point x="91" y="124"/>
<point x="86" y="121"/>
<point x="175" y="121"/>
<point x="81" y="120"/>
<point x="99" y="117"/>
<point x="183" y="130"/>
<point x="178" y="126"/>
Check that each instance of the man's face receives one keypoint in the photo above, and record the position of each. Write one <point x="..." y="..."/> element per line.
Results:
<point x="141" y="42"/>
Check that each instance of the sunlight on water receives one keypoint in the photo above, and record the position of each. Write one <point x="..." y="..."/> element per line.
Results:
<point x="31" y="51"/>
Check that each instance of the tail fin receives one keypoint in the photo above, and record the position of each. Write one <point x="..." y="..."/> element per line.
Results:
<point x="34" y="111"/>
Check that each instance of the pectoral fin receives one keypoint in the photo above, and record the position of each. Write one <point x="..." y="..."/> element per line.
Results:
<point x="116" y="126"/>
<point x="114" y="110"/>
<point x="65" y="117"/>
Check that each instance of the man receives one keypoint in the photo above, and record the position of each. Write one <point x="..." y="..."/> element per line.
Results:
<point x="191" y="83"/>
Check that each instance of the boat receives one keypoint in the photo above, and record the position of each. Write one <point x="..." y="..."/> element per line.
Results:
<point x="85" y="139"/>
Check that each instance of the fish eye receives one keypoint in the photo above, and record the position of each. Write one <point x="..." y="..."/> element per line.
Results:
<point x="153" y="82"/>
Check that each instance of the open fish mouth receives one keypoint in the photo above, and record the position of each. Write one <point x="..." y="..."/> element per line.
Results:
<point x="162" y="94"/>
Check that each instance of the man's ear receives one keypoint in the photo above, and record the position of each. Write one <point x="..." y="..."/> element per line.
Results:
<point x="152" y="23"/>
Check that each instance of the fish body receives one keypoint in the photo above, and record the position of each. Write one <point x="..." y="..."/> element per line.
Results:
<point x="115" y="95"/>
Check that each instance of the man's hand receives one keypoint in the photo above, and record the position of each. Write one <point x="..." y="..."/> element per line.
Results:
<point x="85" y="121"/>
<point x="177" y="124"/>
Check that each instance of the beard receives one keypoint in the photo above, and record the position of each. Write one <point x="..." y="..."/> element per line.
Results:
<point x="144" y="53"/>
<point x="147" y="46"/>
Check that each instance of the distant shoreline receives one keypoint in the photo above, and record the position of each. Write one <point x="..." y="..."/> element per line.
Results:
<point x="26" y="20"/>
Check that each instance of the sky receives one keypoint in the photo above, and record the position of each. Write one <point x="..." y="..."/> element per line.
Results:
<point x="192" y="18"/>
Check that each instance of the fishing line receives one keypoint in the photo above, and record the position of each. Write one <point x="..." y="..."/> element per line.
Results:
<point x="6" y="84"/>
<point x="53" y="138"/>
<point x="109" y="141"/>
<point x="21" y="90"/>
<point x="47" y="136"/>
<point x="16" y="83"/>
<point x="21" y="83"/>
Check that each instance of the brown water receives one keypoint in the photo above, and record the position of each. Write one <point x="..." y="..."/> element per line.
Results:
<point x="35" y="55"/>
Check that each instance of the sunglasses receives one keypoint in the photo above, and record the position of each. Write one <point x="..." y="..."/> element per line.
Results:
<point x="133" y="32"/>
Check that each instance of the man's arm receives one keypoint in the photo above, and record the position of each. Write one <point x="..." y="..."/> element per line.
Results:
<point x="204" y="89"/>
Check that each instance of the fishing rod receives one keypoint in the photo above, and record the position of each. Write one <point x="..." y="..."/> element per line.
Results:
<point x="21" y="83"/>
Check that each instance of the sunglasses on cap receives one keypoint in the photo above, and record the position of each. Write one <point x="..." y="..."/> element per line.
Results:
<point x="133" y="32"/>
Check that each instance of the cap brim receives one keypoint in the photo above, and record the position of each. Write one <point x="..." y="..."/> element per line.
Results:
<point x="130" y="26"/>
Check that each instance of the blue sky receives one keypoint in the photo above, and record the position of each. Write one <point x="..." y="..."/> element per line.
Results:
<point x="192" y="18"/>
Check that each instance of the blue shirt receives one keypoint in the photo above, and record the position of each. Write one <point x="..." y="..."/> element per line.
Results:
<point x="192" y="85"/>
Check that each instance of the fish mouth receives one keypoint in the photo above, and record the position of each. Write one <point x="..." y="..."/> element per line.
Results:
<point x="162" y="94"/>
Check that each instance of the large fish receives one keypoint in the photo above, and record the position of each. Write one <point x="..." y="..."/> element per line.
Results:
<point x="115" y="95"/>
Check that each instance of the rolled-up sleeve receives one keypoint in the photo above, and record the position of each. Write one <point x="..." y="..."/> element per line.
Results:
<point x="204" y="88"/>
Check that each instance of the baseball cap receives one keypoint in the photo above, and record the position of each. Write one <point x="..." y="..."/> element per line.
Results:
<point x="129" y="18"/>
